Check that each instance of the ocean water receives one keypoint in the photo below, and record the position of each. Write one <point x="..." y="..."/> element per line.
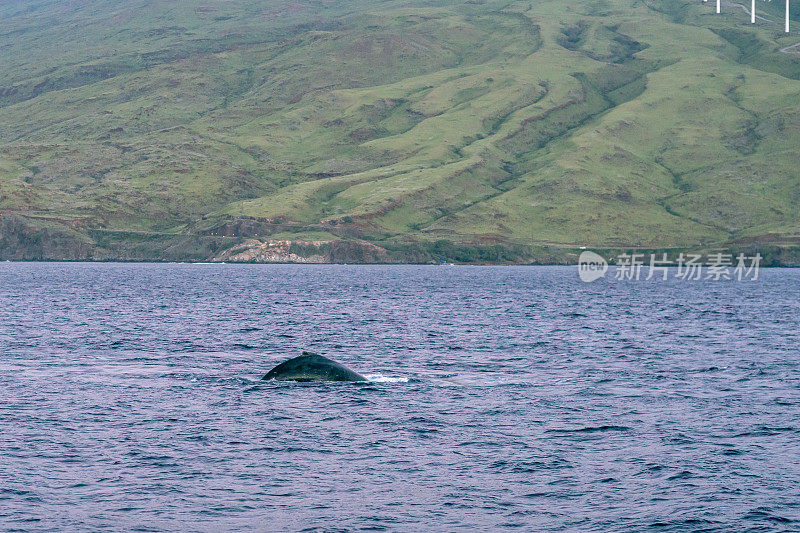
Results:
<point x="501" y="397"/>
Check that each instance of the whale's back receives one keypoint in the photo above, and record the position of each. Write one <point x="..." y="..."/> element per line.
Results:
<point x="312" y="367"/>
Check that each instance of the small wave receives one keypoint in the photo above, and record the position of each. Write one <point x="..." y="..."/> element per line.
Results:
<point x="589" y="429"/>
<point x="380" y="378"/>
<point x="766" y="431"/>
<point x="684" y="474"/>
<point x="765" y="513"/>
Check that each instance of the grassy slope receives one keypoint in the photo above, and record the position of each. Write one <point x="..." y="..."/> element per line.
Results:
<point x="602" y="123"/>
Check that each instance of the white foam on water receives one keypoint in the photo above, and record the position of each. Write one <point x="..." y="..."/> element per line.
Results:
<point x="481" y="380"/>
<point x="380" y="378"/>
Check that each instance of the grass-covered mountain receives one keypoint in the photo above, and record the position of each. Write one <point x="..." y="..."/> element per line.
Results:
<point x="198" y="129"/>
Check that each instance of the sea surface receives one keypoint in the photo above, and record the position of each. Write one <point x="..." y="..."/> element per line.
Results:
<point x="500" y="397"/>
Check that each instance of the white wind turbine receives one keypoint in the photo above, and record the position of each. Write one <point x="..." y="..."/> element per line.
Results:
<point x="787" y="16"/>
<point x="753" y="11"/>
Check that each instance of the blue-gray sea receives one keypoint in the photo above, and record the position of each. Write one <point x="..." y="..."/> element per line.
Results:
<point x="500" y="397"/>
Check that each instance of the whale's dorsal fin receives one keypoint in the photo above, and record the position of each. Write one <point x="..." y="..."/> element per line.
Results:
<point x="307" y="354"/>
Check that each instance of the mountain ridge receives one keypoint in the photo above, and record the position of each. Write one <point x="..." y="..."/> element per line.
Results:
<point x="538" y="128"/>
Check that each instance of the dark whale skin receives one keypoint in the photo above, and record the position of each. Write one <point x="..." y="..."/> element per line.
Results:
<point x="312" y="367"/>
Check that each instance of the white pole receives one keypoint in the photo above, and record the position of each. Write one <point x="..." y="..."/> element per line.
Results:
<point x="787" y="16"/>
<point x="753" y="12"/>
<point x="718" y="5"/>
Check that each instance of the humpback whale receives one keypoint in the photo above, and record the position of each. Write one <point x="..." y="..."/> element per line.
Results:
<point x="312" y="367"/>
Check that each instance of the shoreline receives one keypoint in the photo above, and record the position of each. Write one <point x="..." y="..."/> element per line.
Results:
<point x="287" y="263"/>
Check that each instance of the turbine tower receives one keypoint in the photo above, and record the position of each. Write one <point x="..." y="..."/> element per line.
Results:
<point x="753" y="12"/>
<point x="787" y="16"/>
<point x="719" y="2"/>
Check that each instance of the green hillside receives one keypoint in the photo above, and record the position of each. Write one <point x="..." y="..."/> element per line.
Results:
<point x="488" y="130"/>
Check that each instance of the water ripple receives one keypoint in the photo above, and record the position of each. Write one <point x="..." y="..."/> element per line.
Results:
<point x="498" y="398"/>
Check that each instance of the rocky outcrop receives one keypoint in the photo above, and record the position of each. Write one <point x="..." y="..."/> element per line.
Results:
<point x="24" y="238"/>
<point x="299" y="251"/>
